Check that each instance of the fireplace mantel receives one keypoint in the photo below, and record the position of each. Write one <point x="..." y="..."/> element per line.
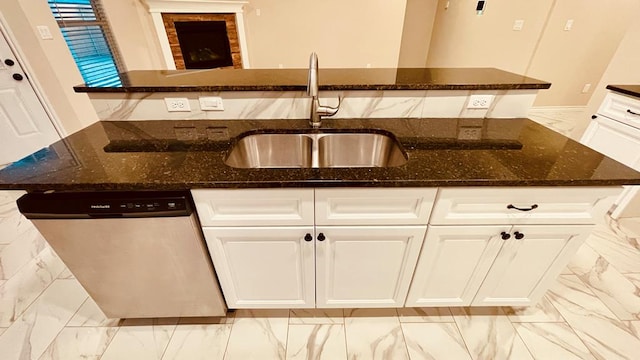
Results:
<point x="158" y="7"/>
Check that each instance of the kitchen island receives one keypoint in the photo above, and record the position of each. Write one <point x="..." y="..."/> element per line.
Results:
<point x="487" y="209"/>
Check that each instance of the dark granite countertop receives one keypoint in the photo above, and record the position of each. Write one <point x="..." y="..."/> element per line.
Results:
<point x="138" y="155"/>
<point x="631" y="90"/>
<point x="329" y="79"/>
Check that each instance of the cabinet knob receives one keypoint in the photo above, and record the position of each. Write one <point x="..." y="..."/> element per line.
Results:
<point x="9" y="62"/>
<point x="505" y="236"/>
<point x="594" y="116"/>
<point x="518" y="235"/>
<point x="321" y="237"/>
<point x="17" y="77"/>
<point x="308" y="237"/>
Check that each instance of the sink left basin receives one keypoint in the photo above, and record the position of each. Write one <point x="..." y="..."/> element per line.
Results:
<point x="272" y="151"/>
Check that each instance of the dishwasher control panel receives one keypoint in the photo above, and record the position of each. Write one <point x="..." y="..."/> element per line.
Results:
<point x="106" y="204"/>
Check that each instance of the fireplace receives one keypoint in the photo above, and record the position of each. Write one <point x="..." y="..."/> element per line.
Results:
<point x="203" y="41"/>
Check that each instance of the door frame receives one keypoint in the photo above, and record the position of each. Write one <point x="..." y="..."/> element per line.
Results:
<point x="5" y="31"/>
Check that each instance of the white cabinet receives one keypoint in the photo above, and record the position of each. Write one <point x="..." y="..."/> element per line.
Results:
<point x="502" y="261"/>
<point x="528" y="263"/>
<point x="365" y="266"/>
<point x="366" y="247"/>
<point x="615" y="132"/>
<point x="264" y="267"/>
<point x="453" y="263"/>
<point x="268" y="252"/>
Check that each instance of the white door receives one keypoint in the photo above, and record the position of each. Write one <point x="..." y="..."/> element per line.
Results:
<point x="365" y="266"/>
<point x="264" y="267"/>
<point x="453" y="262"/>
<point x="528" y="262"/>
<point x="25" y="127"/>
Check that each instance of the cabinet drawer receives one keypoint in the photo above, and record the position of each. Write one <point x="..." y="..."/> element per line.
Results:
<point x="374" y="206"/>
<point x="621" y="108"/>
<point x="558" y="205"/>
<point x="254" y="207"/>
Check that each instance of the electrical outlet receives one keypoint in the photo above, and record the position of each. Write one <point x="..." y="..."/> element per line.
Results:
<point x="470" y="133"/>
<point x="211" y="103"/>
<point x="518" y="24"/>
<point x="479" y="101"/>
<point x="177" y="104"/>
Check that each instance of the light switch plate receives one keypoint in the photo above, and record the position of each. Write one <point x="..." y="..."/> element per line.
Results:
<point x="211" y="103"/>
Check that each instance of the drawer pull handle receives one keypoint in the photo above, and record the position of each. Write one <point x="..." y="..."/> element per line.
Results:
<point x="321" y="237"/>
<point x="631" y="112"/>
<point x="308" y="237"/>
<point x="518" y="235"/>
<point x="534" y="206"/>
<point x="505" y="236"/>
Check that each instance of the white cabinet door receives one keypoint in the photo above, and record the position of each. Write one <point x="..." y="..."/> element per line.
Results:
<point x="365" y="266"/>
<point x="453" y="262"/>
<point x="524" y="268"/>
<point x="615" y="140"/>
<point x="264" y="267"/>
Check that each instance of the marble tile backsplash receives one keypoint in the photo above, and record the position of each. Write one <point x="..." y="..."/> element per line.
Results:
<point x="295" y="104"/>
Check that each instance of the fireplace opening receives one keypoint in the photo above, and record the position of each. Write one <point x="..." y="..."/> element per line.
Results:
<point x="204" y="44"/>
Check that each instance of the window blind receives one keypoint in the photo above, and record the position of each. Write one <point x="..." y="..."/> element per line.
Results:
<point x="86" y="33"/>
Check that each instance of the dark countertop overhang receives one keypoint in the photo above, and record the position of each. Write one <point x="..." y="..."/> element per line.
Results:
<point x="163" y="155"/>
<point x="631" y="90"/>
<point x="329" y="79"/>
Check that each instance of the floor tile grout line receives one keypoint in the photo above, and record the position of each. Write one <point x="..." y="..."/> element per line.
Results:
<point x="346" y="342"/>
<point x="110" y="342"/>
<point x="233" y="324"/>
<point x="404" y="338"/>
<point x="286" y="341"/>
<point x="164" y="351"/>
<point x="466" y="345"/>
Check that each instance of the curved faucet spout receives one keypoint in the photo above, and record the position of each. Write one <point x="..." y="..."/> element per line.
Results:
<point x="312" y="81"/>
<point x="317" y="110"/>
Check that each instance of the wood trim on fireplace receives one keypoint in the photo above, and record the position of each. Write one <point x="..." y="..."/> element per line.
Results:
<point x="232" y="32"/>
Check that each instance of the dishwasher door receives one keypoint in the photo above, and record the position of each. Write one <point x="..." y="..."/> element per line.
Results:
<point x="140" y="266"/>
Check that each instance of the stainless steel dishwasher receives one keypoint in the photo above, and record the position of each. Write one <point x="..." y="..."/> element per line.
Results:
<point x="138" y="254"/>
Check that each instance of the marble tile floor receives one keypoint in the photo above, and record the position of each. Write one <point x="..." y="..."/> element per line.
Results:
<point x="592" y="312"/>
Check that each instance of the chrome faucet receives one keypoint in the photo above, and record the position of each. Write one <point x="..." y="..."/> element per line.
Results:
<point x="317" y="110"/>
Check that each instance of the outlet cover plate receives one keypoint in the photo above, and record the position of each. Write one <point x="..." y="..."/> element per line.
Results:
<point x="177" y="104"/>
<point x="479" y="101"/>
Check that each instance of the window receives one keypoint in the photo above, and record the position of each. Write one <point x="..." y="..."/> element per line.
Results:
<point x="86" y="31"/>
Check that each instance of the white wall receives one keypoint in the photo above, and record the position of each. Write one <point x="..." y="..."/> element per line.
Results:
<point x="53" y="68"/>
<point x="416" y="32"/>
<point x="542" y="49"/>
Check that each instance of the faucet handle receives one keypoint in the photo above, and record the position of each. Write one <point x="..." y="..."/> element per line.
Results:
<point x="325" y="110"/>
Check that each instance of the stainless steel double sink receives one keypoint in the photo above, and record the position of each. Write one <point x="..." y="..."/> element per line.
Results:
<point x="316" y="149"/>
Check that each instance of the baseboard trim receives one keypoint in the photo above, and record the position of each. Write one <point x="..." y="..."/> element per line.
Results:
<point x="557" y="108"/>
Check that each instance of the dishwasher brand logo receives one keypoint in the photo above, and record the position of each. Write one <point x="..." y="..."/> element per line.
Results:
<point x="101" y="206"/>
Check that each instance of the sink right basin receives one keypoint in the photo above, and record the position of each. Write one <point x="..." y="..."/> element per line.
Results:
<point x="317" y="149"/>
<point x="359" y="150"/>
